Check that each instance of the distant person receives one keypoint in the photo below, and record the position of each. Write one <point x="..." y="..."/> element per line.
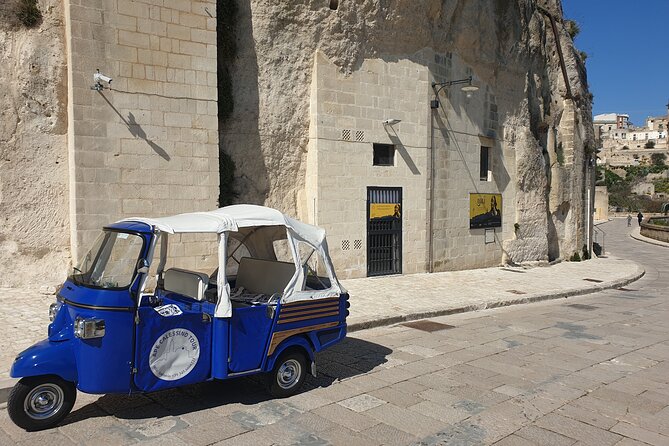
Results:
<point x="629" y="220"/>
<point x="639" y="217"/>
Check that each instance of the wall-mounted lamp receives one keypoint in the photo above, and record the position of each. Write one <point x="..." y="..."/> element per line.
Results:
<point x="467" y="87"/>
<point x="391" y="121"/>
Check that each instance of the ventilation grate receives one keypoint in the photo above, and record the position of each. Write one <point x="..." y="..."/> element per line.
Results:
<point x="345" y="245"/>
<point x="583" y="307"/>
<point x="594" y="280"/>
<point x="359" y="135"/>
<point x="357" y="244"/>
<point x="346" y="135"/>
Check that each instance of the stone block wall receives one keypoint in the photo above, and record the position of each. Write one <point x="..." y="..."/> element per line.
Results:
<point x="149" y="145"/>
<point x="462" y="125"/>
<point x="347" y="114"/>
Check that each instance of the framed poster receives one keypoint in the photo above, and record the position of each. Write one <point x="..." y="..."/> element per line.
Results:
<point x="383" y="210"/>
<point x="485" y="211"/>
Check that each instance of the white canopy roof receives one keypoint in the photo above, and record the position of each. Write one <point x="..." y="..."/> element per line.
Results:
<point x="231" y="219"/>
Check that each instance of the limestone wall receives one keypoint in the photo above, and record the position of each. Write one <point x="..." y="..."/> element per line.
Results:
<point x="346" y="120"/>
<point x="149" y="145"/>
<point x="542" y="134"/>
<point x="34" y="225"/>
<point x="655" y="231"/>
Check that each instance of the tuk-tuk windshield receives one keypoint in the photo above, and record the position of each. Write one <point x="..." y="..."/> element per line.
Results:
<point x="111" y="262"/>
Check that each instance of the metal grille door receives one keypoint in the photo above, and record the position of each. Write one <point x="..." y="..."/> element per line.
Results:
<point x="384" y="230"/>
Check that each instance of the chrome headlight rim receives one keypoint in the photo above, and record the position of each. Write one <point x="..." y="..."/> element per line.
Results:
<point x="54" y="308"/>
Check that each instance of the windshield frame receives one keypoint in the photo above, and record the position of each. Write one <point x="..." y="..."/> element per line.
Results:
<point x="142" y="254"/>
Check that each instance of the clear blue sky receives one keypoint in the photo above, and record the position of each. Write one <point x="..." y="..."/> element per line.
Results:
<point x="628" y="64"/>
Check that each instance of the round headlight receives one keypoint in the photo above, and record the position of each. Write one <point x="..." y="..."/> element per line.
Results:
<point x="53" y="310"/>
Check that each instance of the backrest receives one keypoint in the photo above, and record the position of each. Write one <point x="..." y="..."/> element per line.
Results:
<point x="187" y="283"/>
<point x="264" y="276"/>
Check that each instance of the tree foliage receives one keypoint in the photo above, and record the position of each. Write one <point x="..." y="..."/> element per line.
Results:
<point x="658" y="159"/>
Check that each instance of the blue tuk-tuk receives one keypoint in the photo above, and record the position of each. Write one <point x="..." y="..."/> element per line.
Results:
<point x="124" y="322"/>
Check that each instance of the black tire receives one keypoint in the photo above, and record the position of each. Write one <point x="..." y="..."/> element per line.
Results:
<point x="288" y="374"/>
<point x="40" y="402"/>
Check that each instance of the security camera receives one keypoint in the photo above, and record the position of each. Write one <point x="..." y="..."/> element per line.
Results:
<point x="99" y="77"/>
<point x="391" y="121"/>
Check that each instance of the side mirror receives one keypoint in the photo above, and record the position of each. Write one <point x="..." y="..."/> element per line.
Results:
<point x="142" y="266"/>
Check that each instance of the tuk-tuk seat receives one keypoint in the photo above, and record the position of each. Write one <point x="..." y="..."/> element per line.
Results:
<point x="187" y="283"/>
<point x="264" y="276"/>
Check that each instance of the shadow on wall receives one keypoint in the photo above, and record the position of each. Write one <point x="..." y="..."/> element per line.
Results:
<point x="239" y="134"/>
<point x="136" y="130"/>
<point x="392" y="134"/>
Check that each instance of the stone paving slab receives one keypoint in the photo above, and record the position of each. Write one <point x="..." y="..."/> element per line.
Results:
<point x="377" y="301"/>
<point x="585" y="371"/>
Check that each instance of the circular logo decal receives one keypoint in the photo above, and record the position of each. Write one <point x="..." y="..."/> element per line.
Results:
<point x="174" y="354"/>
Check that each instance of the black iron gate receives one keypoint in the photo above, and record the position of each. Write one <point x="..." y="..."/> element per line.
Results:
<point x="384" y="230"/>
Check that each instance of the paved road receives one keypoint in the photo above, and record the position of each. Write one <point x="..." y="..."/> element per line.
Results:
<point x="588" y="370"/>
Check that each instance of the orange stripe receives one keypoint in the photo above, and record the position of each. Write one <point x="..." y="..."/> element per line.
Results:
<point x="311" y="316"/>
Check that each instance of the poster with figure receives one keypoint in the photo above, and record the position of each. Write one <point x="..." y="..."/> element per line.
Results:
<point x="385" y="210"/>
<point x="485" y="211"/>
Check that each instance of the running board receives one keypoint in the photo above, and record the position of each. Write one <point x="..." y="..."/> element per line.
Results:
<point x="244" y="373"/>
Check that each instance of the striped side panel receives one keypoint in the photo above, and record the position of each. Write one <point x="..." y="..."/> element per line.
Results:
<point x="304" y="311"/>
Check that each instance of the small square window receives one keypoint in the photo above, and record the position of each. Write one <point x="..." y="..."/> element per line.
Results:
<point x="485" y="171"/>
<point x="384" y="155"/>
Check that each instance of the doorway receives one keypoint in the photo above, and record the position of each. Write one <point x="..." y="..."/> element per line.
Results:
<point x="384" y="231"/>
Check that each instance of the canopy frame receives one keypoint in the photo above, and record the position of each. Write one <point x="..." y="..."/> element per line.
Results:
<point x="230" y="219"/>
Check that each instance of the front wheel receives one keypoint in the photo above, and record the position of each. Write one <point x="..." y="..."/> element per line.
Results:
<point x="288" y="374"/>
<point x="40" y="402"/>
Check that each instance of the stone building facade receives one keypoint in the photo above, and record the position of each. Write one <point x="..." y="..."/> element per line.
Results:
<point x="306" y="124"/>
<point x="146" y="144"/>
<point x="310" y="86"/>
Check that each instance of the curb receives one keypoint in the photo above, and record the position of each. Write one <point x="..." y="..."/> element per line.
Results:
<point x="650" y="241"/>
<point x="6" y="384"/>
<point x="503" y="303"/>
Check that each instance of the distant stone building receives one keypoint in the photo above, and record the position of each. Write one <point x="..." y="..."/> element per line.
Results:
<point x="629" y="145"/>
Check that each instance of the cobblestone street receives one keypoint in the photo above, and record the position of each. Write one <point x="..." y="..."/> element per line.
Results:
<point x="591" y="370"/>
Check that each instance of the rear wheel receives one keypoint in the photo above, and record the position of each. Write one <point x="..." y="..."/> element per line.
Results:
<point x="40" y="402"/>
<point x="288" y="374"/>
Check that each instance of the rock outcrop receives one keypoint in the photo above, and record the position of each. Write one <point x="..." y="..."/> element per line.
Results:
<point x="34" y="203"/>
<point x="509" y="45"/>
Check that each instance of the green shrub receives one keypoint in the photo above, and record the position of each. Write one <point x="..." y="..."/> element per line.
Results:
<point x="575" y="258"/>
<point x="572" y="28"/>
<point x="586" y="254"/>
<point x="17" y="13"/>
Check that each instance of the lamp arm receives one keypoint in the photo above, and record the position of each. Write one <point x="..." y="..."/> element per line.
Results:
<point x="443" y="85"/>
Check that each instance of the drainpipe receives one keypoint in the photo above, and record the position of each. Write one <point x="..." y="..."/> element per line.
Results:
<point x="558" y="45"/>
<point x="430" y="237"/>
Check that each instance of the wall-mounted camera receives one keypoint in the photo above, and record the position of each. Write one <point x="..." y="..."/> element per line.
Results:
<point x="99" y="78"/>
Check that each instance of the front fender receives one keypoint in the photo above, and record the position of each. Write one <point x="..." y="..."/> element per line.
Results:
<point x="295" y="341"/>
<point x="46" y="358"/>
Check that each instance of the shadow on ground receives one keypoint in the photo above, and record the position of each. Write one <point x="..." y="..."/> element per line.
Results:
<point x="352" y="357"/>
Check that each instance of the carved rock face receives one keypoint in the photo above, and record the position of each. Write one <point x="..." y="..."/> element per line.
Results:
<point x="509" y="46"/>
